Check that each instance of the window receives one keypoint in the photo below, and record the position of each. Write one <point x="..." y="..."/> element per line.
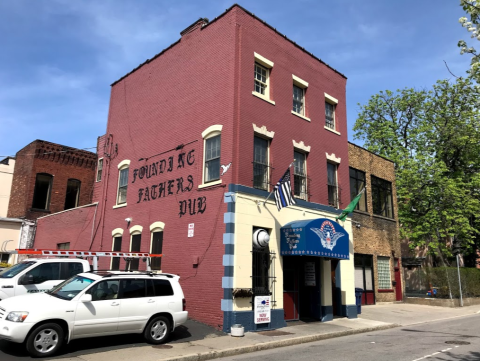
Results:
<point x="157" y="246"/>
<point x="298" y="100"/>
<point x="43" y="190"/>
<point x="63" y="246"/>
<point x="116" y="247"/>
<point x="4" y="257"/>
<point x="357" y="183"/>
<point x="212" y="159"/>
<point x="300" y="175"/>
<point x="330" y="115"/>
<point x="260" y="163"/>
<point x="123" y="167"/>
<point x="99" y="169"/>
<point x="104" y="290"/>
<point x="45" y="272"/>
<point x="261" y="80"/>
<point x="383" y="269"/>
<point x="363" y="271"/>
<point x="69" y="269"/>
<point x="332" y="185"/>
<point x="135" y="247"/>
<point x="162" y="288"/>
<point x="133" y="288"/>
<point x="73" y="194"/>
<point x="382" y="197"/>
<point x="260" y="271"/>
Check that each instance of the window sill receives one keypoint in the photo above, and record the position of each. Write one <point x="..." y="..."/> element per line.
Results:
<point x="120" y="205"/>
<point x="301" y="116"/>
<point x="364" y="213"/>
<point x="385" y="218"/>
<point x="214" y="183"/>
<point x="385" y="291"/>
<point x="331" y="130"/>
<point x="39" y="210"/>
<point x="258" y="95"/>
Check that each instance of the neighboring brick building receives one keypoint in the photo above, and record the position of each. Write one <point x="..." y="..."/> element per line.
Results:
<point x="50" y="178"/>
<point x="195" y="142"/>
<point x="375" y="232"/>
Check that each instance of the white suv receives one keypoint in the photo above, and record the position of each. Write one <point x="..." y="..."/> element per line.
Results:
<point x="95" y="304"/>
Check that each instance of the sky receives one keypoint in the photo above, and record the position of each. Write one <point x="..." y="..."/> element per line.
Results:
<point x="59" y="57"/>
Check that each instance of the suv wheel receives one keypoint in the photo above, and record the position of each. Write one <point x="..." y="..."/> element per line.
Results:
<point x="157" y="330"/>
<point x="45" y="340"/>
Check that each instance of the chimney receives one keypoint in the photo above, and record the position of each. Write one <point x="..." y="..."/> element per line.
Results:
<point x="196" y="25"/>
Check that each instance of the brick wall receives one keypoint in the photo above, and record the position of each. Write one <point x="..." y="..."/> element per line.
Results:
<point x="377" y="236"/>
<point x="62" y="163"/>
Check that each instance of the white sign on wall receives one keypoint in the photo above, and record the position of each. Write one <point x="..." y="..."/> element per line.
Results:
<point x="191" y="227"/>
<point x="262" y="309"/>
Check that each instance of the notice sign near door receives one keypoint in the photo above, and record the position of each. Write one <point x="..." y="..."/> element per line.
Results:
<point x="310" y="274"/>
<point x="262" y="309"/>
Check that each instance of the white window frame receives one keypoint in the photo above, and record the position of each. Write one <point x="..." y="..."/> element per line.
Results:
<point x="266" y="65"/>
<point x="267" y="165"/>
<point x="335" y="185"/>
<point x="99" y="170"/>
<point x="333" y="101"/>
<point x="117" y="232"/>
<point x="305" y="187"/>
<point x="208" y="133"/>
<point x="124" y="164"/>
<point x="302" y="84"/>
<point x="384" y="284"/>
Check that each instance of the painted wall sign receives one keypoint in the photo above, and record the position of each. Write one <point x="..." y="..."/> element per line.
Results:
<point x="262" y="309"/>
<point x="318" y="237"/>
<point x="173" y="186"/>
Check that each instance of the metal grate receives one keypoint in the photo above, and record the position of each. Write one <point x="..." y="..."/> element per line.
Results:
<point x="263" y="274"/>
<point x="261" y="176"/>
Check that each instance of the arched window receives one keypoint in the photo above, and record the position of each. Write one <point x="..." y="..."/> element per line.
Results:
<point x="42" y="192"/>
<point x="156" y="244"/>
<point x="135" y="245"/>
<point x="211" y="154"/>
<point x="122" y="182"/>
<point x="73" y="194"/>
<point x="117" y="234"/>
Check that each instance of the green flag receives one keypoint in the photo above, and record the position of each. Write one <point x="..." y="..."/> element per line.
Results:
<point x="350" y="207"/>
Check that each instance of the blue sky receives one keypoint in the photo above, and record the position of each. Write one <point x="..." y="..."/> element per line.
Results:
<point x="59" y="57"/>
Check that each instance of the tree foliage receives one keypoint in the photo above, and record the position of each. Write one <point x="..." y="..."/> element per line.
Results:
<point x="472" y="8"/>
<point x="433" y="137"/>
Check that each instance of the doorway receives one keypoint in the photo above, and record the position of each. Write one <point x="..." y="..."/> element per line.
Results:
<point x="398" y="280"/>
<point x="301" y="288"/>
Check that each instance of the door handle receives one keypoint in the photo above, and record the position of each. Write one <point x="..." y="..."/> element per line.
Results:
<point x="151" y="301"/>
<point x="115" y="303"/>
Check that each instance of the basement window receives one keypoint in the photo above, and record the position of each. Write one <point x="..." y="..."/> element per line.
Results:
<point x="43" y="190"/>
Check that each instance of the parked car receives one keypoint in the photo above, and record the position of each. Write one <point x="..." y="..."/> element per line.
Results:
<point x="95" y="304"/>
<point x="36" y="275"/>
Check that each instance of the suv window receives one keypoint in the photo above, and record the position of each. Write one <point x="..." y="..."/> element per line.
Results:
<point x="132" y="288"/>
<point x="104" y="290"/>
<point x="45" y="272"/>
<point x="69" y="269"/>
<point x="162" y="288"/>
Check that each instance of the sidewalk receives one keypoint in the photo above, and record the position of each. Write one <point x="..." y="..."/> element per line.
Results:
<point x="214" y="345"/>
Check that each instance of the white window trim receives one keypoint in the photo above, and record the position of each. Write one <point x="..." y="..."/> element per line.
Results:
<point x="96" y="175"/>
<point x="336" y="178"/>
<point x="332" y="130"/>
<point x="305" y="198"/>
<point x="154" y="227"/>
<point x="268" y="65"/>
<point x="135" y="229"/>
<point x="263" y="131"/>
<point x="210" y="132"/>
<point x="330" y="99"/>
<point x="303" y="85"/>
<point x="301" y="146"/>
<point x="334" y="102"/>
<point x="259" y="135"/>
<point x="122" y="165"/>
<point x="332" y="158"/>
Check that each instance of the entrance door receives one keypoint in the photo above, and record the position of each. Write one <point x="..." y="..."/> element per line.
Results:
<point x="335" y="291"/>
<point x="290" y="289"/>
<point x="398" y="280"/>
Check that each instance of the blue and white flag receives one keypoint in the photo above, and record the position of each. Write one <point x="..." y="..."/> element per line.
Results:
<point x="283" y="191"/>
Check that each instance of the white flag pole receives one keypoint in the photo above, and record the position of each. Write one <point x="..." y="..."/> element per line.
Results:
<point x="265" y="201"/>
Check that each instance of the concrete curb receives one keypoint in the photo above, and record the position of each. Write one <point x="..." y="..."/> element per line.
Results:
<point x="275" y="344"/>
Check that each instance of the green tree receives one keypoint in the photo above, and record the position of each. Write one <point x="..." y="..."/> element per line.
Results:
<point x="433" y="138"/>
<point x="472" y="8"/>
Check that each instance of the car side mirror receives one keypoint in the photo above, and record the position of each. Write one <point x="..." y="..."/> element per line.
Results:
<point x="27" y="280"/>
<point x="86" y="298"/>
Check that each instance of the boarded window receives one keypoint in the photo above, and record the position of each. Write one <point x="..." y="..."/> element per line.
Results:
<point x="135" y="247"/>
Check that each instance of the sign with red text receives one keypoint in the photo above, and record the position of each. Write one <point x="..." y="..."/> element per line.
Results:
<point x="262" y="309"/>
<point x="191" y="227"/>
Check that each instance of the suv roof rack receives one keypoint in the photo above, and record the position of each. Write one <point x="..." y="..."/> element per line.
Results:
<point x="110" y="273"/>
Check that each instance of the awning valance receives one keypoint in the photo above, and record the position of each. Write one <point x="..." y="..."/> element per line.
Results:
<point x="318" y="237"/>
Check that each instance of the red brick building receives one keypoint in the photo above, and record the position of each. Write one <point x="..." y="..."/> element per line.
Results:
<point x="197" y="136"/>
<point x="50" y="178"/>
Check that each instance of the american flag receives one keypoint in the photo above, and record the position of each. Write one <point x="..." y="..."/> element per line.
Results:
<point x="283" y="191"/>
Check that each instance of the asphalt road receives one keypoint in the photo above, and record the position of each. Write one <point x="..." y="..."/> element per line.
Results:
<point x="449" y="340"/>
<point x="190" y="331"/>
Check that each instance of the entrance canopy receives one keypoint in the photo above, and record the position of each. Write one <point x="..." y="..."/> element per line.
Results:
<point x="318" y="237"/>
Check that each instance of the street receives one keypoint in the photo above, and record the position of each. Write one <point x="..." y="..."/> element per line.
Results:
<point x="456" y="339"/>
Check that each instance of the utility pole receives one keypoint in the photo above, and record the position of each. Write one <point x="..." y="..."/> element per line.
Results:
<point x="459" y="280"/>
